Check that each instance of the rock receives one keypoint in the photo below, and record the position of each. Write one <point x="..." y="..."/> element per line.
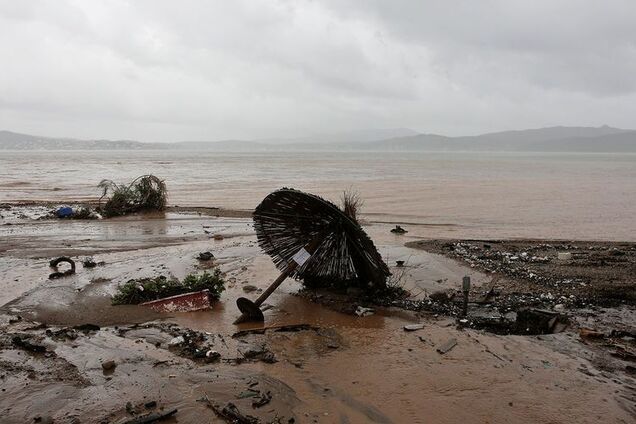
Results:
<point x="399" y="263"/>
<point x="248" y="288"/>
<point x="564" y="256"/>
<point x="212" y="355"/>
<point x="559" y="307"/>
<point x="413" y="327"/>
<point x="205" y="256"/>
<point x="109" y="365"/>
<point x="151" y="404"/>
<point x="446" y="347"/>
<point x="218" y="237"/>
<point x="176" y="341"/>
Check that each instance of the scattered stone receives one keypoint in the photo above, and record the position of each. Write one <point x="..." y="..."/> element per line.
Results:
<point x="446" y="347"/>
<point x="413" y="327"/>
<point x="176" y="341"/>
<point x="205" y="256"/>
<point x="218" y="237"/>
<point x="248" y="288"/>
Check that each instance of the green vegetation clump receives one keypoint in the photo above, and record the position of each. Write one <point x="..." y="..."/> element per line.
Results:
<point x="146" y="289"/>
<point x="144" y="193"/>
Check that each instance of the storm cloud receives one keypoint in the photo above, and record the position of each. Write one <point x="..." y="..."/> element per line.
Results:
<point x="208" y="70"/>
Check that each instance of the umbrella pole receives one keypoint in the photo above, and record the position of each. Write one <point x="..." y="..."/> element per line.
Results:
<point x="291" y="266"/>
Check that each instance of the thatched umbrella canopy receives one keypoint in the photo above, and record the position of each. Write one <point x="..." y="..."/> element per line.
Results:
<point x="287" y="220"/>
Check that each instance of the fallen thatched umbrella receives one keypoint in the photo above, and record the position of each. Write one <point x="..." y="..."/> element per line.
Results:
<point x="309" y="237"/>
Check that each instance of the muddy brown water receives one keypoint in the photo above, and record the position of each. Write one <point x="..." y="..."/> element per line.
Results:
<point x="355" y="370"/>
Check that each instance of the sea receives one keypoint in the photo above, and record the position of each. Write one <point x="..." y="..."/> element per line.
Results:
<point x="486" y="195"/>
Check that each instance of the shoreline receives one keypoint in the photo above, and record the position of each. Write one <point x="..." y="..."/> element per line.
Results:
<point x="338" y="366"/>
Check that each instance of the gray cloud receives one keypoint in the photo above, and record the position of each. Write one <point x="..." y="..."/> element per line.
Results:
<point x="159" y="70"/>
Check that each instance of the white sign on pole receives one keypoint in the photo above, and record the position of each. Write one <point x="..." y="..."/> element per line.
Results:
<point x="301" y="257"/>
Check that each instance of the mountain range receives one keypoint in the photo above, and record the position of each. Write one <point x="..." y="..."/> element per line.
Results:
<point x="551" y="139"/>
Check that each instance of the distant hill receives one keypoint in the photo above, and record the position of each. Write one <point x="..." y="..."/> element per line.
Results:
<point x="553" y="139"/>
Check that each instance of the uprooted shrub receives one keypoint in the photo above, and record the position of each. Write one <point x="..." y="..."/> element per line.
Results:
<point x="144" y="193"/>
<point x="146" y="289"/>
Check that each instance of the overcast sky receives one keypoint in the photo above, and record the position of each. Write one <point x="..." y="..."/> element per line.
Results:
<point x="207" y="70"/>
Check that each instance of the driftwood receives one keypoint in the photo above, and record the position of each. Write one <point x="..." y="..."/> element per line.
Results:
<point x="152" y="417"/>
<point x="278" y="328"/>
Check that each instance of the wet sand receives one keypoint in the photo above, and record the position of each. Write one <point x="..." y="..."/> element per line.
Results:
<point x="344" y="369"/>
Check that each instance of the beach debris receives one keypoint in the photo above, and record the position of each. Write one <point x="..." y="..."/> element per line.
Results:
<point x="588" y="333"/>
<point x="413" y="327"/>
<point x="564" y="256"/>
<point x="144" y="193"/>
<point x="26" y="342"/>
<point x="57" y="274"/>
<point x="361" y="311"/>
<point x="153" y="417"/>
<point x="322" y="245"/>
<point x="231" y="414"/>
<point x="205" y="256"/>
<point x="87" y="328"/>
<point x="90" y="263"/>
<point x="398" y="230"/>
<point x="149" y="289"/>
<point x="441" y="296"/>
<point x="262" y="399"/>
<point x="276" y="328"/>
<point x="466" y="291"/>
<point x="109" y="365"/>
<point x="218" y="237"/>
<point x="539" y="321"/>
<point x="447" y="346"/>
<point x="212" y="355"/>
<point x="186" y="302"/>
<point x="399" y="263"/>
<point x="64" y="212"/>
